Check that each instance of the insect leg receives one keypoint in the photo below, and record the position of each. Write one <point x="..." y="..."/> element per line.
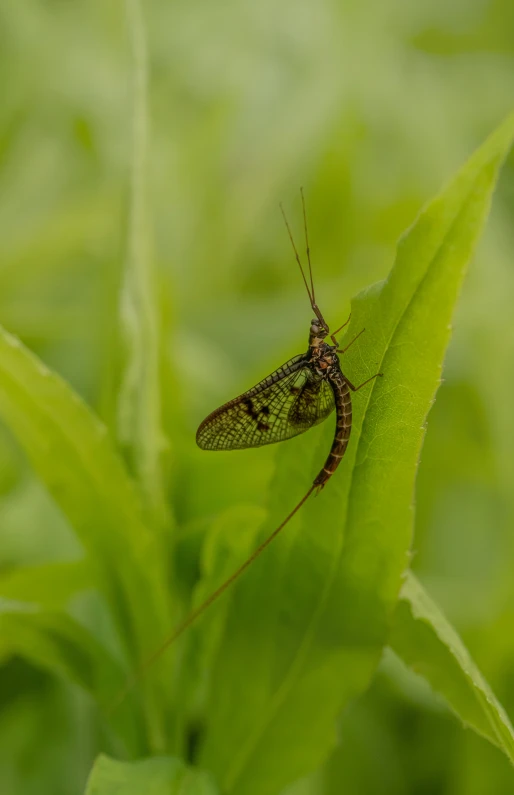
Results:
<point x="333" y="336"/>
<point x="356" y="388"/>
<point x="342" y="350"/>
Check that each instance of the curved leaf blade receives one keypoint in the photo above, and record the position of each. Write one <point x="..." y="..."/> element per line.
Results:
<point x="164" y="775"/>
<point x="73" y="455"/>
<point x="424" y="639"/>
<point x="56" y="642"/>
<point x="307" y="628"/>
<point x="49" y="585"/>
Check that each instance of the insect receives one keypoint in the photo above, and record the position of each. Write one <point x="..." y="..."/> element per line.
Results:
<point x="295" y="397"/>
<point x="298" y="395"/>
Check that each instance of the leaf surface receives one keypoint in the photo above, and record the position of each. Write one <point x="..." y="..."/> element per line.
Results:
<point x="424" y="639"/>
<point x="73" y="455"/>
<point x="156" y="776"/>
<point x="49" y="585"/>
<point x="309" y="621"/>
<point x="55" y="641"/>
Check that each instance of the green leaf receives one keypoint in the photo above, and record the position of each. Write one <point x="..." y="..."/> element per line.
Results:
<point x="423" y="638"/>
<point x="309" y="621"/>
<point x="58" y="643"/>
<point x="158" y="776"/>
<point x="139" y="410"/>
<point x="230" y="538"/>
<point x="50" y="585"/>
<point x="74" y="457"/>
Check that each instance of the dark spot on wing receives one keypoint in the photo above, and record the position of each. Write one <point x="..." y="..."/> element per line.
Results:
<point x="295" y="390"/>
<point x="248" y="404"/>
<point x="263" y="426"/>
<point x="265" y="410"/>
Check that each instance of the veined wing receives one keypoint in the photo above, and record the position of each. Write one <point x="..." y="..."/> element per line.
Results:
<point x="286" y="403"/>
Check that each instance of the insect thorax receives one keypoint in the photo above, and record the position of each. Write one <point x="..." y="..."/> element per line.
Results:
<point x="324" y="359"/>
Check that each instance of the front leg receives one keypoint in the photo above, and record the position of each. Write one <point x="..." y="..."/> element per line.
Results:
<point x="333" y="336"/>
<point x="356" y="388"/>
<point x="343" y="350"/>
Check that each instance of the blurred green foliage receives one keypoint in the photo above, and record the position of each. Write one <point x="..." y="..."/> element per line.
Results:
<point x="371" y="106"/>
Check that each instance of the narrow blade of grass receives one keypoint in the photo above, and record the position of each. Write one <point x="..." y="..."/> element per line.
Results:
<point x="139" y="407"/>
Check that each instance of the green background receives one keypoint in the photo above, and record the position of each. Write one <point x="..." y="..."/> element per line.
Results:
<point x="371" y="107"/>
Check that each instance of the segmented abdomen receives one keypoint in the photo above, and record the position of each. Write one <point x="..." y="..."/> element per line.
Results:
<point x="343" y="429"/>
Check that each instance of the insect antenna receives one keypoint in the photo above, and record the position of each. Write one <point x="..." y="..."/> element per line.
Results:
<point x="311" y="295"/>
<point x="307" y="245"/>
<point x="310" y="290"/>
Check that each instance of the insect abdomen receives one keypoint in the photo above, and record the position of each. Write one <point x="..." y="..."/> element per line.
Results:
<point x="343" y="430"/>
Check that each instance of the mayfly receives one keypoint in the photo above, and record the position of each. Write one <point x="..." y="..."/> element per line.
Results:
<point x="295" y="397"/>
